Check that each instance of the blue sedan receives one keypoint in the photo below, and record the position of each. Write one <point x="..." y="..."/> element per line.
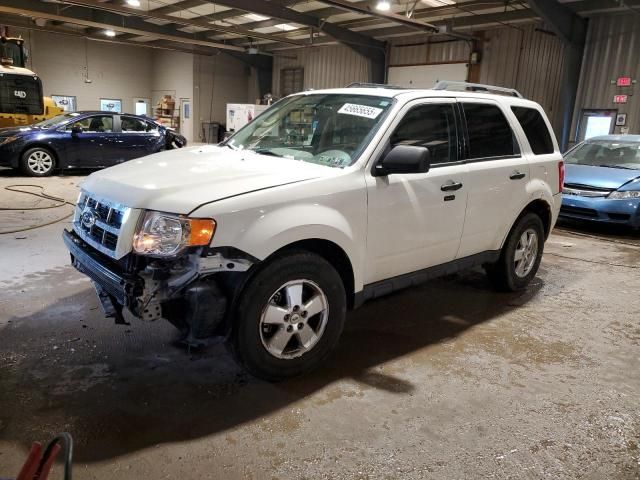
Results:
<point x="83" y="139"/>
<point x="602" y="181"/>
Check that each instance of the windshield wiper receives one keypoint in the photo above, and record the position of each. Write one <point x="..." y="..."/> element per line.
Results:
<point x="266" y="151"/>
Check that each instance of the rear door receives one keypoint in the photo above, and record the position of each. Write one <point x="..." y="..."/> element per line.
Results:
<point x="136" y="138"/>
<point x="415" y="221"/>
<point x="498" y="174"/>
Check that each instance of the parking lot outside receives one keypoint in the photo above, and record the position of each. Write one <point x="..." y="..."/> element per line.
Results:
<point x="447" y="380"/>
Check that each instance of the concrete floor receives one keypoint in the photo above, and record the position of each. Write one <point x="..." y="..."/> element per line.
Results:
<point x="445" y="381"/>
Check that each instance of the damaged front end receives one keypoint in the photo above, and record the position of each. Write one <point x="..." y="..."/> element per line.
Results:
<point x="190" y="290"/>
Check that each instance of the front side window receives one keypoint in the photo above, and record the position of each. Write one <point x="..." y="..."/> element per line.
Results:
<point x="327" y="129"/>
<point x="535" y="129"/>
<point x="431" y="126"/>
<point x="489" y="132"/>
<point x="97" y="124"/>
<point x="606" y="153"/>
<point x="131" y="124"/>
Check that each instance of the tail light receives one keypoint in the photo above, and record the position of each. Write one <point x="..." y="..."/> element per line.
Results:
<point x="560" y="176"/>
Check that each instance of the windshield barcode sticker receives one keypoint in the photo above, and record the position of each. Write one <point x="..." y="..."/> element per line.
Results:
<point x="360" y="110"/>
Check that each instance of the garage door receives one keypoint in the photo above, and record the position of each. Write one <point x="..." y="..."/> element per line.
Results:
<point x="426" y="76"/>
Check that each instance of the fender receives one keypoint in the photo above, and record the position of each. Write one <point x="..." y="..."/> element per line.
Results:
<point x="536" y="189"/>
<point x="267" y="230"/>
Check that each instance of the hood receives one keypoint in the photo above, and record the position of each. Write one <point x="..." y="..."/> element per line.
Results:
<point x="15" y="131"/>
<point x="599" y="177"/>
<point x="179" y="181"/>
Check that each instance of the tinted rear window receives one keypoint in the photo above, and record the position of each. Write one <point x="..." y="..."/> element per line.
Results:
<point x="535" y="129"/>
<point x="489" y="132"/>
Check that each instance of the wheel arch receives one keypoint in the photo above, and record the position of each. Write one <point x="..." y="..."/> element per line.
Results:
<point x="541" y="208"/>
<point x="46" y="146"/>
<point x="333" y="254"/>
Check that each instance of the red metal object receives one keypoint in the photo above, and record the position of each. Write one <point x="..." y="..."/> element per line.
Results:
<point x="40" y="460"/>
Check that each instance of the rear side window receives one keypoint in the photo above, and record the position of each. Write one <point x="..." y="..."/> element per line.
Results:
<point x="489" y="132"/>
<point x="431" y="126"/>
<point x="130" y="124"/>
<point x="535" y="129"/>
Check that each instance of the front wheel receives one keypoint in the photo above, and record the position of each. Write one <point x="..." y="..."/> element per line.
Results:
<point x="37" y="162"/>
<point x="520" y="256"/>
<point x="289" y="317"/>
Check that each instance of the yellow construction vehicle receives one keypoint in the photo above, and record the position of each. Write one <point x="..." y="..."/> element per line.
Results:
<point x="21" y="98"/>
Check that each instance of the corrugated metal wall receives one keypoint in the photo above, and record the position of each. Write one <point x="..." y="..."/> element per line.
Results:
<point x="527" y="60"/>
<point x="324" y="67"/>
<point x="612" y="51"/>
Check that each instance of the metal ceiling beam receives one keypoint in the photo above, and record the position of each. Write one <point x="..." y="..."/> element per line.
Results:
<point x="572" y="30"/>
<point x="106" y="20"/>
<point x="394" y="17"/>
<point x="363" y="44"/>
<point x="176" y="7"/>
<point x="121" y="9"/>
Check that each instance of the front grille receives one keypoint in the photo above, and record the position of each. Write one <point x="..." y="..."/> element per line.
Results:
<point x="583" y="212"/>
<point x="585" y="190"/>
<point x="99" y="222"/>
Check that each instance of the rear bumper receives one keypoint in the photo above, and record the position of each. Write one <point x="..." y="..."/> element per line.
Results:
<point x="123" y="288"/>
<point x="601" y="210"/>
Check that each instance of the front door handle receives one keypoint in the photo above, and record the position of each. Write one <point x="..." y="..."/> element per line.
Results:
<point x="451" y="186"/>
<point x="517" y="175"/>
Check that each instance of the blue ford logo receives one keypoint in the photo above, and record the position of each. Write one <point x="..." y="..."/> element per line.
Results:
<point x="88" y="218"/>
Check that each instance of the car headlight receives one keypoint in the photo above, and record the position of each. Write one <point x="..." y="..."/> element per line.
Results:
<point x="165" y="235"/>
<point x="624" y="195"/>
<point x="7" y="140"/>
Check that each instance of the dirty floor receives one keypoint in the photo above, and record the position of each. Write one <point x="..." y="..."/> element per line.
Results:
<point x="446" y="381"/>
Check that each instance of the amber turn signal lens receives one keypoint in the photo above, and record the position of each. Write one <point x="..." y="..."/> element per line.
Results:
<point x="201" y="231"/>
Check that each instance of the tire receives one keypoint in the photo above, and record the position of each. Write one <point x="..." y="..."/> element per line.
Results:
<point x="38" y="162"/>
<point x="526" y="239"/>
<point x="270" y="337"/>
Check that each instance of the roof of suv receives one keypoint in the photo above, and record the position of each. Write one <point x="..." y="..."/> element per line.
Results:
<point x="410" y="94"/>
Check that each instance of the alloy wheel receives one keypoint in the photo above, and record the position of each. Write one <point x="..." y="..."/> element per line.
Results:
<point x="526" y="253"/>
<point x="40" y="162"/>
<point x="294" y="319"/>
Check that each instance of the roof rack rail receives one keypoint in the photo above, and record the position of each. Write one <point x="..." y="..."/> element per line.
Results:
<point x="476" y="87"/>
<point x="374" y="85"/>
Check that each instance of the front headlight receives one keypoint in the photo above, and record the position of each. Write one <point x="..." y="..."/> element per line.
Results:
<point x="164" y="234"/>
<point x="6" y="141"/>
<point x="624" y="195"/>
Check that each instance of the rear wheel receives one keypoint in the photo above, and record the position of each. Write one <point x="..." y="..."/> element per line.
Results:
<point x="289" y="317"/>
<point x="520" y="256"/>
<point x="37" y="162"/>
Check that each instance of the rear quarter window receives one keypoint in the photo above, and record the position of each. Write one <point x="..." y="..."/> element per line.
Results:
<point x="535" y="129"/>
<point x="490" y="134"/>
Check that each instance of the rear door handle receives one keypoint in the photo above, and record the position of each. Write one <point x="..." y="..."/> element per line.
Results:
<point x="517" y="175"/>
<point x="451" y="186"/>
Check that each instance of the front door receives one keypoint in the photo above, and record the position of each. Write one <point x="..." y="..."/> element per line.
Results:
<point x="498" y="174"/>
<point x="415" y="220"/>
<point x="88" y="145"/>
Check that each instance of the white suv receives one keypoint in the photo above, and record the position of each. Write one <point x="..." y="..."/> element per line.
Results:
<point x="328" y="199"/>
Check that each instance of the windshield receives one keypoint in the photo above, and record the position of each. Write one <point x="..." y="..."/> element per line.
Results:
<point x="606" y="153"/>
<point x="10" y="50"/>
<point x="327" y="129"/>
<point x="58" y="119"/>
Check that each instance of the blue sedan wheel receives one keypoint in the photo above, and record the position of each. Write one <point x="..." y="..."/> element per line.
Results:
<point x="37" y="162"/>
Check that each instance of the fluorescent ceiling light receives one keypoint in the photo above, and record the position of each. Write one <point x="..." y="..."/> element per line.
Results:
<point x="439" y="3"/>
<point x="255" y="17"/>
<point x="133" y="3"/>
<point x="110" y="33"/>
<point x="286" y="27"/>
<point x="383" y="5"/>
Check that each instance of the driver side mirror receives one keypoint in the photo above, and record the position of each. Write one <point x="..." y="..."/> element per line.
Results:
<point x="403" y="159"/>
<point x="76" y="129"/>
